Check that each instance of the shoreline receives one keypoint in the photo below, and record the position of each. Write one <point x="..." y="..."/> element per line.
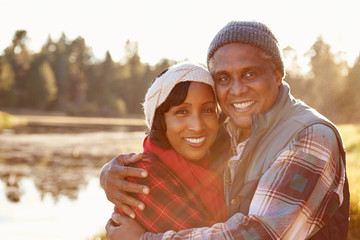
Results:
<point x="11" y="120"/>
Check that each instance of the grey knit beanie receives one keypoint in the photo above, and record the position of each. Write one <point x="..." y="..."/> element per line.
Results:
<point x="254" y="33"/>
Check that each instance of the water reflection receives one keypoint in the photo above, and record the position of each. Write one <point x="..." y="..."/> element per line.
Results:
<point x="58" y="165"/>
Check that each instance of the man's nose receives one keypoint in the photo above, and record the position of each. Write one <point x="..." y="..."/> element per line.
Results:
<point x="238" y="87"/>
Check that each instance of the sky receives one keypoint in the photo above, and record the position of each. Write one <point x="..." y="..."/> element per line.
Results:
<point x="181" y="29"/>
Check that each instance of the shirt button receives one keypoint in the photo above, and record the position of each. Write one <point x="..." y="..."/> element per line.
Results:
<point x="233" y="201"/>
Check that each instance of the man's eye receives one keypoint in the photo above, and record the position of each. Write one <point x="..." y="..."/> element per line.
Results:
<point x="250" y="74"/>
<point x="223" y="78"/>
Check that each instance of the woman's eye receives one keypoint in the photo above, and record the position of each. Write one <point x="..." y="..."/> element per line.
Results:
<point x="181" y="111"/>
<point x="208" y="110"/>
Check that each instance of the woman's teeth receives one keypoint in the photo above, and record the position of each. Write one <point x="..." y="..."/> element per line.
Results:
<point x="195" y="140"/>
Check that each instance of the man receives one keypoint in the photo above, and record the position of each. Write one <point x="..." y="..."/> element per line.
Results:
<point x="286" y="176"/>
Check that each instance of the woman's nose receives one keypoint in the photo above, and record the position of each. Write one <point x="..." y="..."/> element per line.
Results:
<point x="196" y="123"/>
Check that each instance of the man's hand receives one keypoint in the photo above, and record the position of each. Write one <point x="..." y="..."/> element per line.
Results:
<point x="121" y="227"/>
<point x="112" y="181"/>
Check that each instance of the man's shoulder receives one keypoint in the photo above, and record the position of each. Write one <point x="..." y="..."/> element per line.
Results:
<point x="318" y="130"/>
<point x="318" y="137"/>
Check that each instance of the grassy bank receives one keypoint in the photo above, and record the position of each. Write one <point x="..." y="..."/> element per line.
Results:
<point x="351" y="136"/>
<point x="6" y="120"/>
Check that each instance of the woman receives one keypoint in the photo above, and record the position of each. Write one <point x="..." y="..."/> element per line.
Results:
<point x="181" y="113"/>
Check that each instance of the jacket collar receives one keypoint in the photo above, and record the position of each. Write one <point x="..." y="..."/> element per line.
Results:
<point x="262" y="121"/>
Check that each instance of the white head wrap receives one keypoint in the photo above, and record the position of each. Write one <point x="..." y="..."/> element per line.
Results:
<point x="162" y="86"/>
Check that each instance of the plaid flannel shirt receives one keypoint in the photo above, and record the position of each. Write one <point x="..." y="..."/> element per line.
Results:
<point x="294" y="197"/>
<point x="170" y="204"/>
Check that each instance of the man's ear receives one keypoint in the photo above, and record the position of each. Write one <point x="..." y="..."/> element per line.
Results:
<point x="279" y="77"/>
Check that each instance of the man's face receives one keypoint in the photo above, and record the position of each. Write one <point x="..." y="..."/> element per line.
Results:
<point x="245" y="82"/>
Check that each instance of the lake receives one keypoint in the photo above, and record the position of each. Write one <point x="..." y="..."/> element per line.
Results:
<point x="49" y="186"/>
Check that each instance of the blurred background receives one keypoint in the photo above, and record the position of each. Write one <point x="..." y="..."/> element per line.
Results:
<point x="73" y="75"/>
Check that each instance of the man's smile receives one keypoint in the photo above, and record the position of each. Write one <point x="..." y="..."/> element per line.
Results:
<point x="243" y="106"/>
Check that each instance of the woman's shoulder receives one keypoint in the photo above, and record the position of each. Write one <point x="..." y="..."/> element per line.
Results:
<point x="150" y="162"/>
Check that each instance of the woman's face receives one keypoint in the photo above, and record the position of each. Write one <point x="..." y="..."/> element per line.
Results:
<point x="191" y="127"/>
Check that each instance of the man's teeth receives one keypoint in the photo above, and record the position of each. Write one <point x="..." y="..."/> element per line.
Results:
<point x="195" y="140"/>
<point x="243" y="105"/>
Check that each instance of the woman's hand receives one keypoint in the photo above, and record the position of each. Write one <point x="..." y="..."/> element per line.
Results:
<point x="112" y="181"/>
<point x="122" y="227"/>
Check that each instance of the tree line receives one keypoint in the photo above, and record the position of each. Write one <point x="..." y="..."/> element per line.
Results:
<point x="64" y="76"/>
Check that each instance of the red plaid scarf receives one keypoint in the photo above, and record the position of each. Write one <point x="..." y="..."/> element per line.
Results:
<point x="206" y="184"/>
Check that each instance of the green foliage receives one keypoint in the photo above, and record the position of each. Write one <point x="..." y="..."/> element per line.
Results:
<point x="330" y="85"/>
<point x="64" y="76"/>
<point x="7" y="82"/>
<point x="326" y="81"/>
<point x="16" y="64"/>
<point x="351" y="94"/>
<point x="41" y="89"/>
<point x="7" y="78"/>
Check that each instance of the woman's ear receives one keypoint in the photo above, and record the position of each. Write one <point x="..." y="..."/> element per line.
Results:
<point x="218" y="110"/>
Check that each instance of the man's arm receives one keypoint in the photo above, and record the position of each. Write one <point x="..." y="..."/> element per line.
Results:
<point x="121" y="227"/>
<point x="293" y="198"/>
<point x="112" y="177"/>
<point x="170" y="204"/>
